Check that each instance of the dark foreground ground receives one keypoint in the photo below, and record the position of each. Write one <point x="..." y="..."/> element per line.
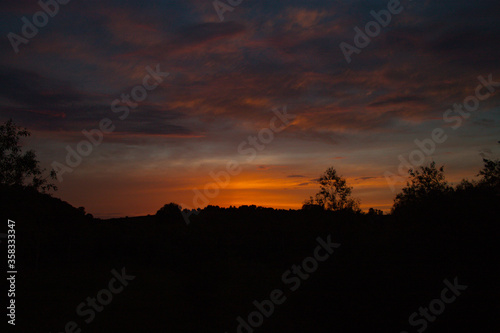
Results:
<point x="203" y="276"/>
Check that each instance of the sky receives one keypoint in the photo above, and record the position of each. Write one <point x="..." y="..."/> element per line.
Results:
<point x="357" y="105"/>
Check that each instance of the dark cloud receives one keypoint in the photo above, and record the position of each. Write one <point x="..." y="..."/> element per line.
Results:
<point x="366" y="178"/>
<point x="30" y="88"/>
<point x="396" y="100"/>
<point x="227" y="76"/>
<point x="205" y="32"/>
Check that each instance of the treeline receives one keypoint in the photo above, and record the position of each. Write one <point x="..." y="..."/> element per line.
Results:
<point x="427" y="192"/>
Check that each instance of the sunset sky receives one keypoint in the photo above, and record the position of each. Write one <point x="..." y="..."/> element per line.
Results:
<point x="226" y="77"/>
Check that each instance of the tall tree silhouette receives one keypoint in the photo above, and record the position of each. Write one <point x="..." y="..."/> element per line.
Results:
<point x="490" y="174"/>
<point x="425" y="185"/>
<point x="18" y="168"/>
<point x="334" y="193"/>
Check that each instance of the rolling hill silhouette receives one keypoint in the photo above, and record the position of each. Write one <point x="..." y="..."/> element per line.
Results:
<point x="202" y="277"/>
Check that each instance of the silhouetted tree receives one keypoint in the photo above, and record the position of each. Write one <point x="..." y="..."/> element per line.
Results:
<point x="334" y="193"/>
<point x="466" y="185"/>
<point x="309" y="206"/>
<point x="18" y="168"/>
<point x="171" y="211"/>
<point x="490" y="174"/>
<point x="425" y="185"/>
<point x="374" y="211"/>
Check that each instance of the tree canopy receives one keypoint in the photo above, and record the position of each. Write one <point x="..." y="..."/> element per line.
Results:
<point x="334" y="193"/>
<point x="18" y="168"/>
<point x="428" y="191"/>
<point x="490" y="174"/>
<point x="425" y="184"/>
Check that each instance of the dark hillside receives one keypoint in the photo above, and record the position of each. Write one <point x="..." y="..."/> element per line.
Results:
<point x="201" y="277"/>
